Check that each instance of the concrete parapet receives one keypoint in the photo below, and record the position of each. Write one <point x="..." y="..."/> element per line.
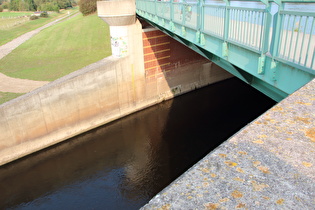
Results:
<point x="269" y="164"/>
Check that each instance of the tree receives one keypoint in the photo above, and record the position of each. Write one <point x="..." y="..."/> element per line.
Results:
<point x="14" y="5"/>
<point x="49" y="6"/>
<point x="23" y="6"/>
<point x="5" y="5"/>
<point x="87" y="6"/>
<point x="64" y="4"/>
<point x="31" y="5"/>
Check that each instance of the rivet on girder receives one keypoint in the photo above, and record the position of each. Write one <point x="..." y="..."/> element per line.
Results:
<point x="261" y="64"/>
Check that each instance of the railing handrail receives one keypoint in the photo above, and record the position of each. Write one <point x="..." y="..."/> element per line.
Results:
<point x="272" y="37"/>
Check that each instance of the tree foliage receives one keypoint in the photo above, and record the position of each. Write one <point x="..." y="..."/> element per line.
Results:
<point x="87" y="6"/>
<point x="31" y="5"/>
<point x="5" y="5"/>
<point x="14" y="5"/>
<point x="34" y="5"/>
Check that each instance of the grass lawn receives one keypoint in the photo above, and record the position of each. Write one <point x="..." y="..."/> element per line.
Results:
<point x="59" y="50"/>
<point x="10" y="31"/>
<point x="13" y="14"/>
<point x="4" y="97"/>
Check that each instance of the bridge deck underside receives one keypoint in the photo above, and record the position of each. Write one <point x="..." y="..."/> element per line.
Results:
<point x="272" y="52"/>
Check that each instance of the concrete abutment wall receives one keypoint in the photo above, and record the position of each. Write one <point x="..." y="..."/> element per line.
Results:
<point x="102" y="92"/>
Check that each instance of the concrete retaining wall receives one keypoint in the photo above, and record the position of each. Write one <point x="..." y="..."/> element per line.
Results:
<point x="95" y="95"/>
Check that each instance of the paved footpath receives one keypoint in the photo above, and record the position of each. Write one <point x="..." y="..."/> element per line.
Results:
<point x="269" y="164"/>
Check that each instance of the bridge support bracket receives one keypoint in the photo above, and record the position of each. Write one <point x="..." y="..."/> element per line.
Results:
<point x="162" y="22"/>
<point x="273" y="68"/>
<point x="261" y="64"/>
<point x="197" y="37"/>
<point x="172" y="26"/>
<point x="202" y="39"/>
<point x="225" y="50"/>
<point x="183" y="31"/>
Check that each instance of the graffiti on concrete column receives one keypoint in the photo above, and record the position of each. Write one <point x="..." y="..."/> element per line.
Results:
<point x="119" y="46"/>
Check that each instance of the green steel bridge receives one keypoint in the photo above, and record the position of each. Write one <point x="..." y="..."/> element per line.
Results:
<point x="268" y="44"/>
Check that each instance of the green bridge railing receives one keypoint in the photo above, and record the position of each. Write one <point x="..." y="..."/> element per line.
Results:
<point x="268" y="44"/>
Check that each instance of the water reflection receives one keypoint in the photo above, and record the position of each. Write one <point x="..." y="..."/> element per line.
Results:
<point x="124" y="164"/>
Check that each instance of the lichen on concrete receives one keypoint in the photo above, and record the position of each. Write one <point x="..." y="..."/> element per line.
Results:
<point x="269" y="164"/>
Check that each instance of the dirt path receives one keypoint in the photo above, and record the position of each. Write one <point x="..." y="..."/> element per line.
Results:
<point x="15" y="85"/>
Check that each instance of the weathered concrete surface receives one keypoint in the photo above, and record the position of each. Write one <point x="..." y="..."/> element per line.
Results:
<point x="269" y="164"/>
<point x="117" y="12"/>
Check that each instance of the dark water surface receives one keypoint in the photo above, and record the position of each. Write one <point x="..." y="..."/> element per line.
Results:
<point x="124" y="164"/>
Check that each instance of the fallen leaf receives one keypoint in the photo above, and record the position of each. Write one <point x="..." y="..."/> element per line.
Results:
<point x="230" y="163"/>
<point x="259" y="142"/>
<point x="211" y="205"/>
<point x="307" y="164"/>
<point x="236" y="194"/>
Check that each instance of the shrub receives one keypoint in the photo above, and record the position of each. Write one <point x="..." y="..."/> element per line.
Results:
<point x="33" y="17"/>
<point x="49" y="6"/>
<point x="43" y="14"/>
<point x="1" y="8"/>
<point x="5" y="5"/>
<point x="87" y="6"/>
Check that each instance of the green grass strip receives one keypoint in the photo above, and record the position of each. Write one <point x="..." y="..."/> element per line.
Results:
<point x="14" y="14"/>
<point x="7" y="35"/>
<point x="59" y="50"/>
<point x="4" y="96"/>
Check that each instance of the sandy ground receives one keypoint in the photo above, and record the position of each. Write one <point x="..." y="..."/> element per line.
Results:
<point x="15" y="85"/>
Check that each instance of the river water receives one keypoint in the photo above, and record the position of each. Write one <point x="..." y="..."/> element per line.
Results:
<point x="122" y="165"/>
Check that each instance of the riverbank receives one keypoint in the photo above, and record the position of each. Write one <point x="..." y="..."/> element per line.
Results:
<point x="95" y="95"/>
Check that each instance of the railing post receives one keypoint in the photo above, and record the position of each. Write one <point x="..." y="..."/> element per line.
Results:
<point x="265" y="38"/>
<point x="226" y="29"/>
<point x="200" y="22"/>
<point x="155" y="7"/>
<point x="172" y="10"/>
<point x="277" y="27"/>
<point x="226" y="20"/>
<point x="183" y="8"/>
<point x="275" y="39"/>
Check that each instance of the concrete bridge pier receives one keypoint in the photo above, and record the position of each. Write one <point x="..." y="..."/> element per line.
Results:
<point x="118" y="15"/>
<point x="125" y="32"/>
